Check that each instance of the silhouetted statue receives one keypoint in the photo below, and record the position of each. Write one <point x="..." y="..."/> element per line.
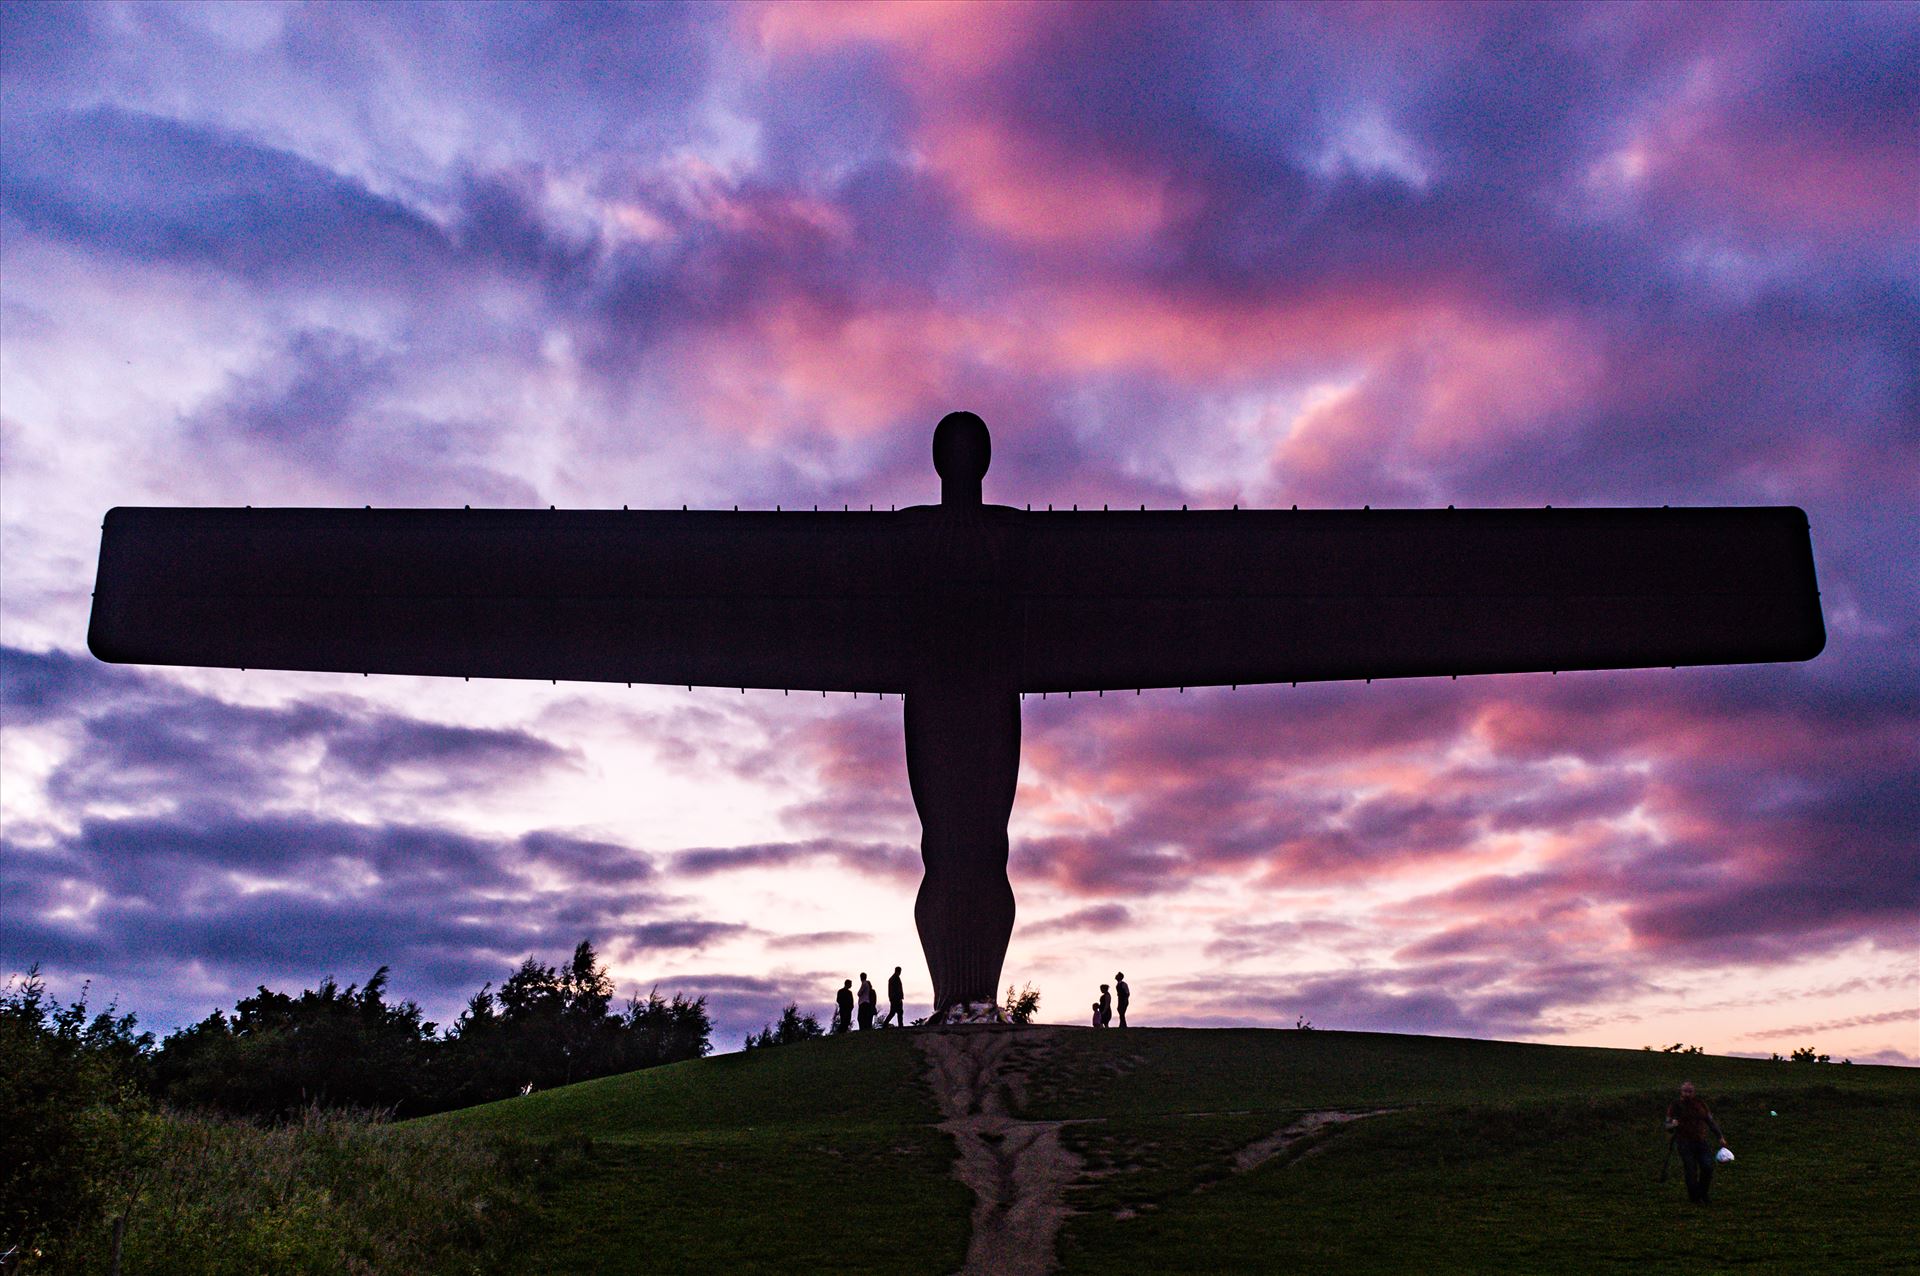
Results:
<point x="960" y="608"/>
<point x="896" y="1001"/>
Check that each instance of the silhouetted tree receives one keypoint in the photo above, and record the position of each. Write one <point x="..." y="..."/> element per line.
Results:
<point x="329" y="1046"/>
<point x="276" y="1054"/>
<point x="1023" y="1005"/>
<point x="661" y="1031"/>
<point x="549" y="1027"/>
<point x="792" y="1026"/>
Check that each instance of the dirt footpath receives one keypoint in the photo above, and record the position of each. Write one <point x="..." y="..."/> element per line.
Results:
<point x="1018" y="1170"/>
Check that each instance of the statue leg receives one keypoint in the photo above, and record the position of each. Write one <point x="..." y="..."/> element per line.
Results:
<point x="963" y="759"/>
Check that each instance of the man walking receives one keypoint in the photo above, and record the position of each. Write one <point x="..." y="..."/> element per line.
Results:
<point x="1120" y="995"/>
<point x="896" y="1001"/>
<point x="1690" y="1122"/>
<point x="869" y="1002"/>
<point x="843" y="1007"/>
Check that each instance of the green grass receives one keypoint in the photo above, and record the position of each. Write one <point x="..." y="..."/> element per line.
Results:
<point x="1164" y="1070"/>
<point x="1499" y="1157"/>
<point x="820" y="1156"/>
<point x="1548" y="1186"/>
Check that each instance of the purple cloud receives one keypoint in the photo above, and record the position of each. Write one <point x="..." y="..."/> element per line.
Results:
<point x="1475" y="254"/>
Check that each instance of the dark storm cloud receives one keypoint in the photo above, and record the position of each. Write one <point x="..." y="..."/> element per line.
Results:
<point x="158" y="190"/>
<point x="587" y="860"/>
<point x="41" y="41"/>
<point x="322" y="401"/>
<point x="305" y="400"/>
<point x="149" y="739"/>
<point x="42" y="686"/>
<point x="222" y="879"/>
<point x="388" y="743"/>
<point x="1098" y="865"/>
<point x="1788" y="784"/>
<point x="581" y="79"/>
<point x="574" y="80"/>
<point x="684" y="933"/>
<point x="870" y="858"/>
<point x="1097" y="917"/>
<point x="276" y="898"/>
<point x="818" y="938"/>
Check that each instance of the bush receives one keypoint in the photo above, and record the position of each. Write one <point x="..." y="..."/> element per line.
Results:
<point x="277" y="1054"/>
<point x="791" y="1027"/>
<point x="94" y="1178"/>
<point x="1023" y="1005"/>
<point x="74" y="1121"/>
<point x="323" y="1193"/>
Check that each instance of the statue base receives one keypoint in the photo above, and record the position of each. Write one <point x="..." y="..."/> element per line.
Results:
<point x="967" y="1012"/>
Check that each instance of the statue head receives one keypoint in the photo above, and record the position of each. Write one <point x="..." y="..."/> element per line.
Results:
<point x="962" y="450"/>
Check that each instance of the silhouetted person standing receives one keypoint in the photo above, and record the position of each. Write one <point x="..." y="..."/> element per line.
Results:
<point x="896" y="1001"/>
<point x="843" y="1012"/>
<point x="1106" y="1006"/>
<point x="868" y="1002"/>
<point x="1691" y="1124"/>
<point x="1121" y="995"/>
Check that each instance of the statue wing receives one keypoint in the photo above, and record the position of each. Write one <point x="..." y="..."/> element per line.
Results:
<point x="842" y="602"/>
<point x="789" y="600"/>
<point x="1155" y="599"/>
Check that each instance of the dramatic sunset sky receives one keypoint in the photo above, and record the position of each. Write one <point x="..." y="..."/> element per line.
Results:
<point x="600" y="255"/>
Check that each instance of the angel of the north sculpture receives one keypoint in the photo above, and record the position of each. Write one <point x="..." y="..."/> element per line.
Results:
<point x="958" y="608"/>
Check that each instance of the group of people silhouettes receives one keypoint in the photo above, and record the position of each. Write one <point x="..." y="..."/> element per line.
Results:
<point x="861" y="1006"/>
<point x="1111" y="1000"/>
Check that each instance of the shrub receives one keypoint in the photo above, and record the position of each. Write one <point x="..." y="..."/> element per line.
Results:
<point x="325" y="1192"/>
<point x="278" y="1054"/>
<point x="74" y="1122"/>
<point x="791" y="1027"/>
<point x="1023" y="1005"/>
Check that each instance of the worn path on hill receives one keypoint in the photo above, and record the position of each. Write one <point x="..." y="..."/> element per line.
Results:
<point x="1020" y="1170"/>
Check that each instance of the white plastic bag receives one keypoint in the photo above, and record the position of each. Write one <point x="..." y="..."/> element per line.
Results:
<point x="1724" y="1155"/>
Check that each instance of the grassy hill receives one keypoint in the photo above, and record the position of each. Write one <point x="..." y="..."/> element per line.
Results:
<point x="1179" y="1150"/>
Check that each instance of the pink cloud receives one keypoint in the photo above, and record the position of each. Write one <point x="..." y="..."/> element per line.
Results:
<point x="1718" y="148"/>
<point x="953" y="36"/>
